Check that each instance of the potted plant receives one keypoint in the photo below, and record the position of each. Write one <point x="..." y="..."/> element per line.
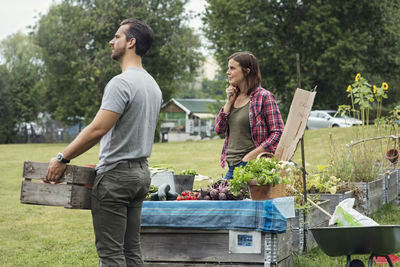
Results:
<point x="264" y="177"/>
<point x="184" y="180"/>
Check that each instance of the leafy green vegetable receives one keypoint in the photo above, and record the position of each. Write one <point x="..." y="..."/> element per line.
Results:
<point x="264" y="170"/>
<point x="188" y="172"/>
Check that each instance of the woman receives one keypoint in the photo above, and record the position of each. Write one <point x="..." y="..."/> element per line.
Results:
<point x="250" y="119"/>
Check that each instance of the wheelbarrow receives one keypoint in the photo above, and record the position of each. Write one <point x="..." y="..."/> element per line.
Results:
<point x="381" y="240"/>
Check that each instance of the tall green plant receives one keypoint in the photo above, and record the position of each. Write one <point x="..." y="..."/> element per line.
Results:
<point x="364" y="157"/>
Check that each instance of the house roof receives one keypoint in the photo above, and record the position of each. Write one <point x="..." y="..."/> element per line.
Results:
<point x="192" y="105"/>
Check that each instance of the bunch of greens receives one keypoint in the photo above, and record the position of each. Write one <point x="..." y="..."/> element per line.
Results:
<point x="188" y="172"/>
<point x="267" y="171"/>
<point x="322" y="182"/>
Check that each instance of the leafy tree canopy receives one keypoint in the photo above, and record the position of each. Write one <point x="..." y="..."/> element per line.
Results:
<point x="75" y="35"/>
<point x="335" y="40"/>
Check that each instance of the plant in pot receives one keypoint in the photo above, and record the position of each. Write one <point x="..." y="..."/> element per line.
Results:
<point x="264" y="177"/>
<point x="184" y="180"/>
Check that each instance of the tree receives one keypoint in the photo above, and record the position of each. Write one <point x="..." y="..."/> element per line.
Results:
<point x="21" y="81"/>
<point x="7" y="118"/>
<point x="74" y="36"/>
<point x="335" y="40"/>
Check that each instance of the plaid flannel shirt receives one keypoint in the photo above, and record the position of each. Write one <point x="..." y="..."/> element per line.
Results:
<point x="266" y="123"/>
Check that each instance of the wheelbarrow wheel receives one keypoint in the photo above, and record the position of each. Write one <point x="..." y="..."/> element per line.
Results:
<point x="356" y="263"/>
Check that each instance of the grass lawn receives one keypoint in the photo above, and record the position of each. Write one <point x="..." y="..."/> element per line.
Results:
<point x="53" y="236"/>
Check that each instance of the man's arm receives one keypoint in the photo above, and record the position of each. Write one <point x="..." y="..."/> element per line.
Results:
<point x="89" y="137"/>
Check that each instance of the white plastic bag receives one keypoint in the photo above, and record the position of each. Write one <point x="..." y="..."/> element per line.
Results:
<point x="345" y="215"/>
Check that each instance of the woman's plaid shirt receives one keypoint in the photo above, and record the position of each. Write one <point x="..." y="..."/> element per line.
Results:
<point x="266" y="123"/>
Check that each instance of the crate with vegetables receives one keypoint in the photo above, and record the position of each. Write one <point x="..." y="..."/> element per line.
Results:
<point x="211" y="217"/>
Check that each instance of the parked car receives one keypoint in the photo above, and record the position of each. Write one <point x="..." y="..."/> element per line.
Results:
<point x="325" y="118"/>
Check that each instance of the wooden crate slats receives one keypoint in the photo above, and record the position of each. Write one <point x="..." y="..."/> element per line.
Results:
<point x="74" y="192"/>
<point x="196" y="247"/>
<point x="375" y="195"/>
<point x="372" y="196"/>
<point x="46" y="194"/>
<point x="203" y="246"/>
<point x="73" y="174"/>
<point x="390" y="186"/>
<point x="80" y="197"/>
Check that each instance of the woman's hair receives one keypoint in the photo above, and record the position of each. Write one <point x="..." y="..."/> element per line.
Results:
<point x="247" y="60"/>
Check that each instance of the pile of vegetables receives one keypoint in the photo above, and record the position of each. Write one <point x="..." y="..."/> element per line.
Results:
<point x="220" y="191"/>
<point x="187" y="195"/>
<point x="162" y="193"/>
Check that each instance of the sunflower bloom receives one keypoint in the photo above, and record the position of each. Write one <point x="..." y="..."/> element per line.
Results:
<point x="385" y="86"/>
<point x="348" y="88"/>
<point x="374" y="89"/>
<point x="358" y="76"/>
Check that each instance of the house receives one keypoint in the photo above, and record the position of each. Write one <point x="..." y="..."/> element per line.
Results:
<point x="188" y="119"/>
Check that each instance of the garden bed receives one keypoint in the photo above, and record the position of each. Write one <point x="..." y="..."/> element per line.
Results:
<point x="334" y="199"/>
<point x="371" y="197"/>
<point x="390" y="186"/>
<point x="201" y="248"/>
<point x="300" y="225"/>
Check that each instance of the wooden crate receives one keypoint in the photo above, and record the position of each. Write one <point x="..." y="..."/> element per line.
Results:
<point x="390" y="186"/>
<point x="202" y="248"/>
<point x="300" y="227"/>
<point x="334" y="199"/>
<point x="74" y="191"/>
<point x="372" y="195"/>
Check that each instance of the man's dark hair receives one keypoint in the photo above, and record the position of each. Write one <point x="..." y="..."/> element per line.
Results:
<point x="142" y="32"/>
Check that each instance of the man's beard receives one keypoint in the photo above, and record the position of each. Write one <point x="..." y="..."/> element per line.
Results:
<point x="117" y="54"/>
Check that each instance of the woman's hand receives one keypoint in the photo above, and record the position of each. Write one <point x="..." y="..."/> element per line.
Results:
<point x="231" y="93"/>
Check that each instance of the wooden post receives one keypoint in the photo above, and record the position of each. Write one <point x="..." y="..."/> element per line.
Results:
<point x="302" y="154"/>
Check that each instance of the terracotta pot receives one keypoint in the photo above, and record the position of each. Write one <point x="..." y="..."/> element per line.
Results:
<point x="392" y="155"/>
<point x="264" y="192"/>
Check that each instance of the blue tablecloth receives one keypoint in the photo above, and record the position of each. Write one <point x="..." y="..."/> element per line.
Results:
<point x="246" y="215"/>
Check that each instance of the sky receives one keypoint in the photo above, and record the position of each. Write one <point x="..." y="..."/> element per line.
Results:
<point x="16" y="15"/>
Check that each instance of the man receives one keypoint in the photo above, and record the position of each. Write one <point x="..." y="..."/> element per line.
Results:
<point x="125" y="123"/>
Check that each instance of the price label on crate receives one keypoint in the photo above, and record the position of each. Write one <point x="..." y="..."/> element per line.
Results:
<point x="245" y="242"/>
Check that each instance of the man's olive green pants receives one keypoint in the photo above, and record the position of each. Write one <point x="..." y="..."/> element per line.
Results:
<point x="117" y="197"/>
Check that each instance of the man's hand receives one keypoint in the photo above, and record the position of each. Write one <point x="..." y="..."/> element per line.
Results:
<point x="55" y="170"/>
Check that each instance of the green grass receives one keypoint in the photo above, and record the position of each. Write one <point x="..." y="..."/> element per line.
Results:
<point x="53" y="236"/>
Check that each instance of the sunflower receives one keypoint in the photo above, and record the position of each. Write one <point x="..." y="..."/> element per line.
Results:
<point x="374" y="89"/>
<point x="348" y="88"/>
<point x="358" y="76"/>
<point x="385" y="86"/>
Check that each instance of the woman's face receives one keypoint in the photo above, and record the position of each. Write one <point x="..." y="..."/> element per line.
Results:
<point x="235" y="73"/>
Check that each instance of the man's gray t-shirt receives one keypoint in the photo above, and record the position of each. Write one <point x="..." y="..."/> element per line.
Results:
<point x="137" y="97"/>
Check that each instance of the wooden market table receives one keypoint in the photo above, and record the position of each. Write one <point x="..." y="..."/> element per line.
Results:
<point x="217" y="233"/>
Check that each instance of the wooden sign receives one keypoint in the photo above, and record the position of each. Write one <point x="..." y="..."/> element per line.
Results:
<point x="295" y="124"/>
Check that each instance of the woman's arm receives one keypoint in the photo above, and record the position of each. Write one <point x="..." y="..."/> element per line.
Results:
<point x="221" y="122"/>
<point x="267" y="137"/>
<point x="274" y="124"/>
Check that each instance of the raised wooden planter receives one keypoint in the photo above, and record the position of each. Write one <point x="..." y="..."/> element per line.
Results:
<point x="201" y="248"/>
<point x="390" y="186"/>
<point x="299" y="227"/>
<point x="74" y="191"/>
<point x="334" y="199"/>
<point x="372" y="195"/>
